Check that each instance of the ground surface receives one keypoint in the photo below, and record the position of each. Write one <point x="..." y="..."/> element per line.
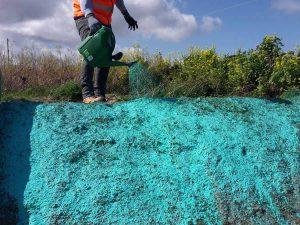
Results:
<point x="204" y="161"/>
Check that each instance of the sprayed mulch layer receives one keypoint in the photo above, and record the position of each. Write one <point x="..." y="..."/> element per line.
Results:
<point x="203" y="161"/>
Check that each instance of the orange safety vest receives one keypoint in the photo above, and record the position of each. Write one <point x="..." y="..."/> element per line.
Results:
<point x="103" y="10"/>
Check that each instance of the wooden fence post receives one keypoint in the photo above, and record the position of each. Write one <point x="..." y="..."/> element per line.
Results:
<point x="7" y="47"/>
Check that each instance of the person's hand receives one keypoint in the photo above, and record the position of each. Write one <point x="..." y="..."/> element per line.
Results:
<point x="132" y="23"/>
<point x="93" y="23"/>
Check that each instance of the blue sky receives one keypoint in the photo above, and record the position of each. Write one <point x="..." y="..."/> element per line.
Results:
<point x="243" y="26"/>
<point x="165" y="25"/>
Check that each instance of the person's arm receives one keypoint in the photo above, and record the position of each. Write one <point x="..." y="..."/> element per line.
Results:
<point x="121" y="6"/>
<point x="87" y="8"/>
<point x="132" y="23"/>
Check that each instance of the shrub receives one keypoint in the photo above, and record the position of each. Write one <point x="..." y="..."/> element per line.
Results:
<point x="163" y="71"/>
<point x="118" y="81"/>
<point x="265" y="71"/>
<point x="286" y="73"/>
<point x="238" y="73"/>
<point x="266" y="55"/>
<point x="68" y="92"/>
<point x="200" y="75"/>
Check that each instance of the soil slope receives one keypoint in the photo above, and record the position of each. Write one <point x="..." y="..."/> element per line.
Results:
<point x="203" y="161"/>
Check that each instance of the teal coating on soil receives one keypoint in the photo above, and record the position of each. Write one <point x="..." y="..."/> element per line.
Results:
<point x="151" y="161"/>
<point x="141" y="82"/>
<point x="15" y="127"/>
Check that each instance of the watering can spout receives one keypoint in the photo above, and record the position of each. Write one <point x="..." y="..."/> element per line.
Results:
<point x="97" y="49"/>
<point x="118" y="63"/>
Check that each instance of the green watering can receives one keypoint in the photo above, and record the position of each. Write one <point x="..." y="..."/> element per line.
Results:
<point x="97" y="49"/>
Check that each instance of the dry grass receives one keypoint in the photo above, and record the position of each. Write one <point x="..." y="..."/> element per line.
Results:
<point x="264" y="71"/>
<point x="32" y="69"/>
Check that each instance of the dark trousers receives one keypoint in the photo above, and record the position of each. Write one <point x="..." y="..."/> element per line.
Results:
<point x="90" y="88"/>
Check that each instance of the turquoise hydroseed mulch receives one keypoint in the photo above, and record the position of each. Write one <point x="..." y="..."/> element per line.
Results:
<point x="141" y="82"/>
<point x="15" y="127"/>
<point x="204" y="161"/>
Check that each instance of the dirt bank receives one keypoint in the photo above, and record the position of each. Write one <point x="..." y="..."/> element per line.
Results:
<point x="204" y="161"/>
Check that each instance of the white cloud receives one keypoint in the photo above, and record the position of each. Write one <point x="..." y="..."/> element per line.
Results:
<point x="160" y="19"/>
<point x="55" y="30"/>
<point x="289" y="6"/>
<point x="157" y="18"/>
<point x="210" y="24"/>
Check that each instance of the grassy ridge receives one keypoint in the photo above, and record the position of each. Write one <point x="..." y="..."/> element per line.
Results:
<point x="265" y="71"/>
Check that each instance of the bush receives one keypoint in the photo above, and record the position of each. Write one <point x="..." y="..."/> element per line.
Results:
<point x="264" y="71"/>
<point x="267" y="54"/>
<point x="68" y="92"/>
<point x="286" y="73"/>
<point x="200" y="75"/>
<point x="238" y="73"/>
<point x="118" y="81"/>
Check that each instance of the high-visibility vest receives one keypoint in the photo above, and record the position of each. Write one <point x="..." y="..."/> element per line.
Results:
<point x="103" y="10"/>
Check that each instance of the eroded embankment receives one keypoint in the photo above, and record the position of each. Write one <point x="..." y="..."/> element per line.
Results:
<point x="15" y="127"/>
<point x="205" y="161"/>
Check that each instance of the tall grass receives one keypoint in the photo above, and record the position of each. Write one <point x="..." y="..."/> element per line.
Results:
<point x="264" y="71"/>
<point x="30" y="68"/>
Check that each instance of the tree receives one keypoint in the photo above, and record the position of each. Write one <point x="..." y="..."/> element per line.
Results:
<point x="271" y="47"/>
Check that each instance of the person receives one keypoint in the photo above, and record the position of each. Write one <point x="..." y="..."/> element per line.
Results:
<point x="90" y="16"/>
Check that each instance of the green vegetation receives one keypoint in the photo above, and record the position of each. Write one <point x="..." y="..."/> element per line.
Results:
<point x="69" y="91"/>
<point x="266" y="71"/>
